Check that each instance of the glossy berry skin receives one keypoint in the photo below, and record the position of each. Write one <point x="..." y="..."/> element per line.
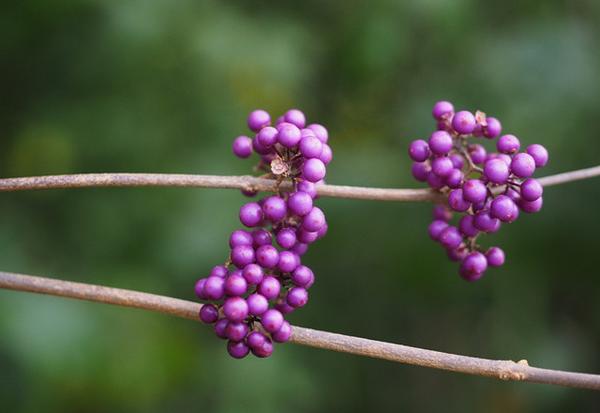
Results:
<point x="283" y="334"/>
<point x="267" y="256"/>
<point x="523" y="165"/>
<point x="286" y="238"/>
<point x="236" y="285"/>
<point x="474" y="190"/>
<point x="255" y="339"/>
<point x="442" y="166"/>
<point x="539" y="154"/>
<point x="457" y="202"/>
<point x="454" y="179"/>
<point x="442" y="109"/>
<point x="214" y="288"/>
<point x="237" y="350"/>
<point x="269" y="287"/>
<point x="288" y="261"/>
<point x="209" y="313"/>
<point x="303" y="276"/>
<point x="320" y="131"/>
<point x="236" y="331"/>
<point x="508" y="144"/>
<point x="221" y="327"/>
<point x="253" y="274"/>
<point x="274" y="208"/>
<point x="242" y="256"/>
<point x="436" y="228"/>
<point x="297" y="297"/>
<point x="263" y="351"/>
<point x="271" y="320"/>
<point x="314" y="220"/>
<point x="463" y="122"/>
<point x="473" y="266"/>
<point x="440" y="143"/>
<point x="530" y="207"/>
<point x="251" y="214"/>
<point x="450" y="237"/>
<point x="483" y="221"/>
<point x="199" y="288"/>
<point x="261" y="237"/>
<point x="493" y="128"/>
<point x="289" y="135"/>
<point x="495" y="257"/>
<point x="295" y="117"/>
<point x="442" y="213"/>
<point x="531" y="190"/>
<point x="235" y="309"/>
<point x="257" y="304"/>
<point x="258" y="119"/>
<point x="419" y="150"/>
<point x="300" y="203"/>
<point x="504" y="209"/>
<point x="311" y="147"/>
<point x="477" y="153"/>
<point x="308" y="187"/>
<point x="242" y="147"/>
<point x="313" y="170"/>
<point x="420" y="171"/>
<point x="496" y="171"/>
<point x="267" y="137"/>
<point x="240" y="237"/>
<point x="466" y="226"/>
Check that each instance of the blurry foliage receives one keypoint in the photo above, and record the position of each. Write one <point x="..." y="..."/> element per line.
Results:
<point x="160" y="86"/>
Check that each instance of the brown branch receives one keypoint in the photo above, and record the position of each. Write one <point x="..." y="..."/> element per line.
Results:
<point x="499" y="369"/>
<point x="244" y="182"/>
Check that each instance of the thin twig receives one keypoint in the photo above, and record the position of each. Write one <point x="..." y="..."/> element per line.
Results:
<point x="244" y="182"/>
<point x="499" y="369"/>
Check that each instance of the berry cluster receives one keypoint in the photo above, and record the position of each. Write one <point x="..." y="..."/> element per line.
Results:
<point x="488" y="188"/>
<point x="263" y="280"/>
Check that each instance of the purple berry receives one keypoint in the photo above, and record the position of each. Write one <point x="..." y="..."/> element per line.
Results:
<point x="267" y="137"/>
<point x="258" y="119"/>
<point x="300" y="203"/>
<point x="483" y="221"/>
<point x="493" y="128"/>
<point x="209" y="313"/>
<point x="235" y="309"/>
<point x="286" y="238"/>
<point x="496" y="171"/>
<point x="288" y="261"/>
<point x="442" y="166"/>
<point x="309" y="187"/>
<point x="236" y="331"/>
<point x="311" y="147"/>
<point x="436" y="228"/>
<point x="473" y="266"/>
<point x="214" y="288"/>
<point x="457" y="202"/>
<point x="474" y="190"/>
<point x="504" y="209"/>
<point x="272" y="320"/>
<point x="255" y="339"/>
<point x="526" y="206"/>
<point x="242" y="256"/>
<point x="253" y="274"/>
<point x="267" y="256"/>
<point x="450" y="237"/>
<point x="463" y="122"/>
<point x="420" y="171"/>
<point x="326" y="154"/>
<point x="531" y="189"/>
<point x="457" y="160"/>
<point x="289" y="135"/>
<point x="454" y="179"/>
<point x="419" y="150"/>
<point x="466" y="227"/>
<point x="313" y="170"/>
<point x="457" y="254"/>
<point x="297" y="297"/>
<point x="261" y="237"/>
<point x="314" y="220"/>
<point x="295" y="117"/>
<point x="442" y="109"/>
<point x="523" y="165"/>
<point x="269" y="287"/>
<point x="539" y="154"/>
<point x="274" y="208"/>
<point x="219" y="271"/>
<point x="283" y="334"/>
<point x="199" y="288"/>
<point x="303" y="276"/>
<point x="236" y="285"/>
<point x="257" y="304"/>
<point x="221" y="327"/>
<point x="300" y="248"/>
<point x="238" y="349"/>
<point x="508" y="144"/>
<point x="263" y="351"/>
<point x="495" y="257"/>
<point x="435" y="181"/>
<point x="240" y="237"/>
<point x="251" y="214"/>
<point x="320" y="131"/>
<point x="442" y="213"/>
<point x="242" y="147"/>
<point x="477" y="153"/>
<point x="440" y="143"/>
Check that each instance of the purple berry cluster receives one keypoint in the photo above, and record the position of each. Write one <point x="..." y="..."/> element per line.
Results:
<point x="486" y="188"/>
<point x="264" y="278"/>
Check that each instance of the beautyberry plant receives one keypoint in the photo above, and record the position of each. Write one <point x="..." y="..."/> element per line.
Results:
<point x="486" y="189"/>
<point x="264" y="278"/>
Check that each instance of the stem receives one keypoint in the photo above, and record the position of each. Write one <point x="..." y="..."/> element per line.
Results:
<point x="499" y="369"/>
<point x="247" y="183"/>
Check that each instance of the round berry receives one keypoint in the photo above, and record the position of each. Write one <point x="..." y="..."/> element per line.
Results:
<point x="313" y="170"/>
<point x="257" y="304"/>
<point x="286" y="238"/>
<point x="261" y="237"/>
<point x="483" y="221"/>
<point x="504" y="209"/>
<point x="235" y="309"/>
<point x="274" y="208"/>
<point x="263" y="351"/>
<point x="267" y="256"/>
<point x="442" y="166"/>
<point x="326" y="154"/>
<point x="311" y="147"/>
<point x="531" y="189"/>
<point x="314" y="220"/>
<point x="442" y="213"/>
<point x="237" y="349"/>
<point x="528" y="207"/>
<point x="473" y="266"/>
<point x="289" y="135"/>
<point x="253" y="274"/>
<point x="199" y="288"/>
<point x="256" y="339"/>
<point x="539" y="154"/>
<point x="303" y="276"/>
<point x="251" y="214"/>
<point x="236" y="331"/>
<point x="457" y="202"/>
<point x="474" y="190"/>
<point x="495" y="257"/>
<point x="320" y="131"/>
<point x="442" y="109"/>
<point x="450" y="237"/>
<point x="272" y="320"/>
<point x="288" y="261"/>
<point x="466" y="226"/>
<point x="240" y="237"/>
<point x="419" y="150"/>
<point x="242" y="256"/>
<point x="214" y="288"/>
<point x="242" y="147"/>
<point x="477" y="153"/>
<point x="297" y="297"/>
<point x="267" y="137"/>
<point x="523" y="165"/>
<point x="295" y="117"/>
<point x="309" y="187"/>
<point x="496" y="171"/>
<point x="221" y="327"/>
<point x="508" y="144"/>
<point x="283" y="334"/>
<point x="269" y="287"/>
<point x="493" y="128"/>
<point x="300" y="203"/>
<point x="463" y="122"/>
<point x="440" y="142"/>
<point x="436" y="228"/>
<point x="209" y="313"/>
<point x="420" y="171"/>
<point x="258" y="119"/>
<point x="235" y="285"/>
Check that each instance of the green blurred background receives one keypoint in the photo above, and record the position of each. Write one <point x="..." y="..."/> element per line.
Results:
<point x="163" y="86"/>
